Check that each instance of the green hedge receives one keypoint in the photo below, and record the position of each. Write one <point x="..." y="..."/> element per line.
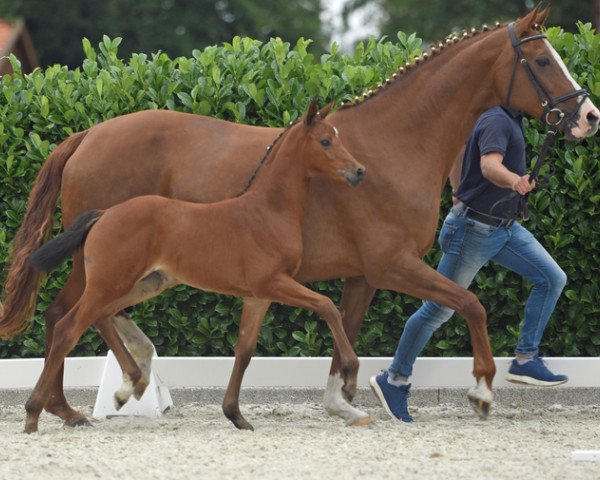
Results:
<point x="270" y="84"/>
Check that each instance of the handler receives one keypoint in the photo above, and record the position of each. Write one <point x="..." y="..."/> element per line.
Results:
<point x="481" y="227"/>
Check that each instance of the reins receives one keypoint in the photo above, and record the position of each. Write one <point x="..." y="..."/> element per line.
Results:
<point x="264" y="158"/>
<point x="549" y="105"/>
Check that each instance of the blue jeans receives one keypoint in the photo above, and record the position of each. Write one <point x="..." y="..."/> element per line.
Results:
<point x="468" y="245"/>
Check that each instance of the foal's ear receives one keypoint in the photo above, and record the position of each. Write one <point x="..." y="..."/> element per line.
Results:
<point x="312" y="114"/>
<point x="325" y="110"/>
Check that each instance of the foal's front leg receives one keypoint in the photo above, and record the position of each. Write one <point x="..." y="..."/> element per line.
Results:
<point x="251" y="320"/>
<point x="284" y="289"/>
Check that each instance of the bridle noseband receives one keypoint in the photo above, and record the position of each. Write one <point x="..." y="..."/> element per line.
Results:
<point x="548" y="103"/>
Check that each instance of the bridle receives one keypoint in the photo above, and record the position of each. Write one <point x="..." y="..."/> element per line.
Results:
<point x="549" y="104"/>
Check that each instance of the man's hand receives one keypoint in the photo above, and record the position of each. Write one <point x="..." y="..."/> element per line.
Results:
<point x="522" y="185"/>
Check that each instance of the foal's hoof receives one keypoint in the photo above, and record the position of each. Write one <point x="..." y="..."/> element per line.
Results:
<point x="361" y="422"/>
<point x="82" y="422"/>
<point x="119" y="402"/>
<point x="140" y="388"/>
<point x="242" y="424"/>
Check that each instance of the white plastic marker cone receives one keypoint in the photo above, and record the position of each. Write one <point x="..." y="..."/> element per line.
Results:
<point x="154" y="402"/>
<point x="585" y="455"/>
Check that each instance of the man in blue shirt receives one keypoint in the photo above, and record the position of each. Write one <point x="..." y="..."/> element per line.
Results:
<point x="480" y="228"/>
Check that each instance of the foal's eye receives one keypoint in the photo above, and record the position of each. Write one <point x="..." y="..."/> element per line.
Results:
<point x="325" y="142"/>
<point x="542" y="61"/>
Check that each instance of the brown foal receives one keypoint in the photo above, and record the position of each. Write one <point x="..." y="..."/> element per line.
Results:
<point x="407" y="133"/>
<point x="248" y="246"/>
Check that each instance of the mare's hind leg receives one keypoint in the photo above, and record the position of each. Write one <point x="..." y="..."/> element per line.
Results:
<point x="356" y="298"/>
<point x="69" y="295"/>
<point x="253" y="314"/>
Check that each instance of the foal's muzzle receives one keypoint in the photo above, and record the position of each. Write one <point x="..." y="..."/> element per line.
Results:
<point x="355" y="176"/>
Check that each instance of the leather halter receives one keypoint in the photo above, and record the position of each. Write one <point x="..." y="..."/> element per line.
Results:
<point x="548" y="103"/>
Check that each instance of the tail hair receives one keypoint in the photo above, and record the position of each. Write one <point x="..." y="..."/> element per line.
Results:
<point x="55" y="251"/>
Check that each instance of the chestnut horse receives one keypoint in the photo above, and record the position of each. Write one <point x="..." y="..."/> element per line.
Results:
<point x="248" y="246"/>
<point x="407" y="133"/>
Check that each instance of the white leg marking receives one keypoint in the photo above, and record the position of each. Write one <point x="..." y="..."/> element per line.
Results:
<point x="138" y="344"/>
<point x="124" y="393"/>
<point x="336" y="405"/>
<point x="481" y="392"/>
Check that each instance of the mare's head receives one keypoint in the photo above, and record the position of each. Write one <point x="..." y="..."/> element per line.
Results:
<point x="324" y="153"/>
<point x="536" y="81"/>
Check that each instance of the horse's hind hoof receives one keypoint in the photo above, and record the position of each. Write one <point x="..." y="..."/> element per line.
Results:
<point x="243" y="425"/>
<point x="82" y="422"/>
<point x="361" y="422"/>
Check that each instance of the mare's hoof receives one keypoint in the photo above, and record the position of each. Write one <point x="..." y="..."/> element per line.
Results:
<point x="361" y="422"/>
<point x="481" y="408"/>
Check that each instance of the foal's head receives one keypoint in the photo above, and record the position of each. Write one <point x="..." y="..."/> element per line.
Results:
<point x="537" y="81"/>
<point x="323" y="151"/>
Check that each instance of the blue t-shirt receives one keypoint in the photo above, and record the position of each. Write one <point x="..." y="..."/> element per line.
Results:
<point x="499" y="130"/>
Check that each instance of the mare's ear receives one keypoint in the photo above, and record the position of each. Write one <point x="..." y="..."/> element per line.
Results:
<point x="325" y="110"/>
<point x="312" y="113"/>
<point x="525" y="24"/>
<point x="543" y="16"/>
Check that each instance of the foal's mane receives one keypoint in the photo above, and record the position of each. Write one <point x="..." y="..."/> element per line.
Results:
<point x="436" y="48"/>
<point x="270" y="149"/>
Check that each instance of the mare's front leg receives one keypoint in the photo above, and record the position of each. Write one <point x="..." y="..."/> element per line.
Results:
<point x="251" y="320"/>
<point x="356" y="298"/>
<point x="411" y="275"/>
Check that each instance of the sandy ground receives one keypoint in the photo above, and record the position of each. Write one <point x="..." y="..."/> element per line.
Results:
<point x="300" y="441"/>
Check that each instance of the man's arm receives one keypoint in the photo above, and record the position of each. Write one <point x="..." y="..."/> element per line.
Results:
<point x="493" y="169"/>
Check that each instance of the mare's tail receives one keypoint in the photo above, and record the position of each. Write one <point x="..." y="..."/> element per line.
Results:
<point x="22" y="281"/>
<point x="53" y="252"/>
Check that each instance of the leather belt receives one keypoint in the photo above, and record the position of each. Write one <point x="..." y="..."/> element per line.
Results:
<point x="461" y="208"/>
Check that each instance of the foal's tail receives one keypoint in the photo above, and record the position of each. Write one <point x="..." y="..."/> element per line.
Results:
<point x="22" y="281"/>
<point x="52" y="253"/>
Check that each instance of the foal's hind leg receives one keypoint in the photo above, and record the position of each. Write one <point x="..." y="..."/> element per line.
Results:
<point x="253" y="314"/>
<point x="131" y="371"/>
<point x="356" y="298"/>
<point x="57" y="403"/>
<point x="140" y="347"/>
<point x="66" y="334"/>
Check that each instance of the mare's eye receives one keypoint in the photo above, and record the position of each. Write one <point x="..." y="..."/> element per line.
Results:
<point x="325" y="142"/>
<point x="542" y="61"/>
